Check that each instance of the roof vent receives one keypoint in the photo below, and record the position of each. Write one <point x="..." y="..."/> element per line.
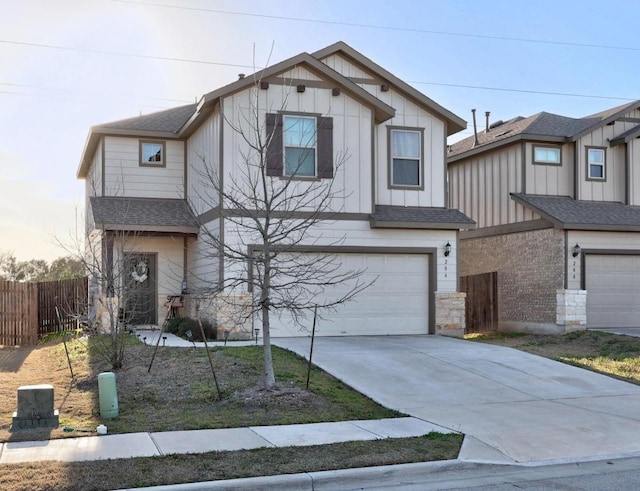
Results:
<point x="496" y="124"/>
<point x="241" y="76"/>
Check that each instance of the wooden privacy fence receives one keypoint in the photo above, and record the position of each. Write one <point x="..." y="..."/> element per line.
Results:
<point x="481" y="308"/>
<point x="27" y="310"/>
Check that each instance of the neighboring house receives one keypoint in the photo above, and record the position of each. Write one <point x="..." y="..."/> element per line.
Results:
<point x="556" y="201"/>
<point x="144" y="176"/>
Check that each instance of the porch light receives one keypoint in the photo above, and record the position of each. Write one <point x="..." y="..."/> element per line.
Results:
<point x="576" y="250"/>
<point x="447" y="249"/>
<point x="184" y="286"/>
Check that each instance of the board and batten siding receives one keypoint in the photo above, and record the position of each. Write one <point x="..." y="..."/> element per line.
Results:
<point x="546" y="179"/>
<point x="613" y="187"/>
<point x="634" y="171"/>
<point x="203" y="155"/>
<point x="203" y="259"/>
<point x="125" y="177"/>
<point x="352" y="123"/>
<point x="480" y="187"/>
<point x="408" y="115"/>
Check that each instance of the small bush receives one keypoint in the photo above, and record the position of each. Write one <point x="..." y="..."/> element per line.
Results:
<point x="173" y="326"/>
<point x="188" y="324"/>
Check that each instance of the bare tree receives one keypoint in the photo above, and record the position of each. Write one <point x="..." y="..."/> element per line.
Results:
<point x="275" y="255"/>
<point x="115" y="270"/>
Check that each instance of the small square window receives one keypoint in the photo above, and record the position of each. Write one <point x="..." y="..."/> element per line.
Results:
<point x="299" y="134"/>
<point x="596" y="160"/>
<point x="152" y="154"/>
<point x="406" y="158"/>
<point x="546" y="155"/>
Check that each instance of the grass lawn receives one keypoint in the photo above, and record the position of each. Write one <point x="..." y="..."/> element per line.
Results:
<point x="611" y="354"/>
<point x="179" y="394"/>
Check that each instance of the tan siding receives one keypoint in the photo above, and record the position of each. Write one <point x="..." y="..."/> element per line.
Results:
<point x="344" y="67"/>
<point x="480" y="187"/>
<point x="125" y="177"/>
<point x="634" y="172"/>
<point x="203" y="152"/>
<point x="613" y="189"/>
<point x="351" y="138"/>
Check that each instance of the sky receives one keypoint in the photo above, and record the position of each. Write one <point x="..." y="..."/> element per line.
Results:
<point x="66" y="65"/>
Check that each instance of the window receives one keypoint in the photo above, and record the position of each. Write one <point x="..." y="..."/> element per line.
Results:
<point x="299" y="146"/>
<point x="546" y="155"/>
<point x="152" y="154"/>
<point x="405" y="158"/>
<point x="596" y="159"/>
<point x="299" y="142"/>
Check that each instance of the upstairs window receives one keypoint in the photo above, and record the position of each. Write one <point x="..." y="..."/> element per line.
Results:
<point x="299" y="146"/>
<point x="152" y="153"/>
<point x="596" y="161"/>
<point x="405" y="158"/>
<point x="546" y="155"/>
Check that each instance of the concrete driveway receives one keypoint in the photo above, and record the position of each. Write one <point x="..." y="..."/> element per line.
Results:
<point x="513" y="406"/>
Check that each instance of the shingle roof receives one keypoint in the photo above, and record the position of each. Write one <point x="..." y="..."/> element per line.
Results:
<point x="569" y="213"/>
<point x="542" y="124"/>
<point x="419" y="217"/>
<point x="144" y="214"/>
<point x="170" y="120"/>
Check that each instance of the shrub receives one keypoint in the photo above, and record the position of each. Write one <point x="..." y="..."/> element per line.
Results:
<point x="188" y="324"/>
<point x="173" y="326"/>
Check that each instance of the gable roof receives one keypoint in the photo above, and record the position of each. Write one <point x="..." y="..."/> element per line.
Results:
<point x="181" y="122"/>
<point x="169" y="120"/>
<point x="542" y="126"/>
<point x="454" y="123"/>
<point x="568" y="213"/>
<point x="143" y="214"/>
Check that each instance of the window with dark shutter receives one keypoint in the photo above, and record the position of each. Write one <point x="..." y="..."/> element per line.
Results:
<point x="274" y="149"/>
<point x="300" y="146"/>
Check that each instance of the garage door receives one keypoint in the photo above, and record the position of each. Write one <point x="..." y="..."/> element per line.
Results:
<point x="397" y="303"/>
<point x="613" y="290"/>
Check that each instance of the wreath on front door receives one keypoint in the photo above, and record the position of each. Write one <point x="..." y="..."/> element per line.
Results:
<point x="140" y="272"/>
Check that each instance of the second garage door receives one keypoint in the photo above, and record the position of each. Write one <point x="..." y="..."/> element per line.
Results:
<point x="397" y="303"/>
<point x="613" y="290"/>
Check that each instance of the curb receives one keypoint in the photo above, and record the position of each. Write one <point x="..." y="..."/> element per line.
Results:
<point x="336" y="480"/>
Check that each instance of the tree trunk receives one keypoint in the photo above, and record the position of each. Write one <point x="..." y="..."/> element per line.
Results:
<point x="269" y="375"/>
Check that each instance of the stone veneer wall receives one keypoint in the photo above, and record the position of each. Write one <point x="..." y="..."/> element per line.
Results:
<point x="571" y="309"/>
<point x="450" y="313"/>
<point x="233" y="313"/>
<point x="530" y="268"/>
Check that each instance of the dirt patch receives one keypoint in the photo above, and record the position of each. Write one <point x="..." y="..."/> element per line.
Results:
<point x="179" y="393"/>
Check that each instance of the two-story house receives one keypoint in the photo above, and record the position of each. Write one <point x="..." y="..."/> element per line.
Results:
<point x="556" y="205"/>
<point x="145" y="183"/>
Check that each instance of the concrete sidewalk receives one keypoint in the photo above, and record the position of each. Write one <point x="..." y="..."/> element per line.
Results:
<point x="199" y="441"/>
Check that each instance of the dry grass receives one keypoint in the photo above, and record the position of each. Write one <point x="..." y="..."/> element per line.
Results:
<point x="611" y="354"/>
<point x="179" y="394"/>
<point x="173" y="469"/>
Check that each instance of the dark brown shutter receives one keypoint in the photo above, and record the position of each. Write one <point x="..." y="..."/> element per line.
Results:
<point x="274" y="150"/>
<point x="325" y="147"/>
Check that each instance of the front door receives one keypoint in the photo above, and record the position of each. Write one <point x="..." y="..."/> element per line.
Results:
<point x="140" y="295"/>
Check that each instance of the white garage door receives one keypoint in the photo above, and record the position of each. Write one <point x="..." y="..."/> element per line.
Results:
<point x="613" y="290"/>
<point x="397" y="303"/>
